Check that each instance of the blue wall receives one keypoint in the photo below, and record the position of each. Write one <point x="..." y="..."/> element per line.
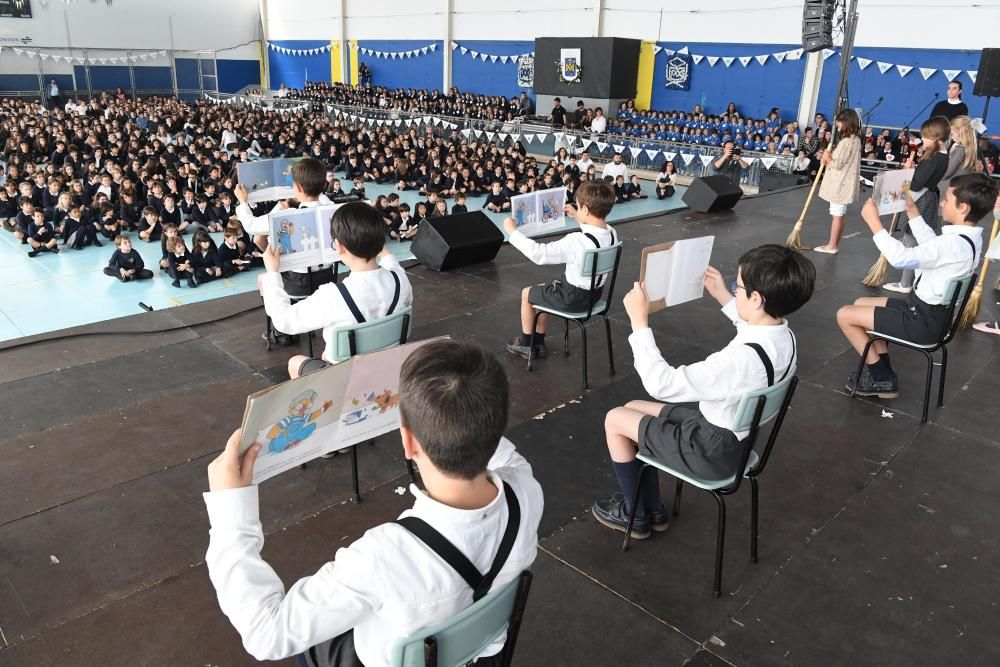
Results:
<point x="755" y="88"/>
<point x="904" y="96"/>
<point x="421" y="71"/>
<point x="29" y="82"/>
<point x="187" y="73"/>
<point x="110" y="77"/>
<point x="489" y="78"/>
<point x="234" y="74"/>
<point x="294" y="71"/>
<point x="152" y="78"/>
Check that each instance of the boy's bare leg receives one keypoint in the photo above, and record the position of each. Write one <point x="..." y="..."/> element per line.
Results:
<point x="856" y="320"/>
<point x="528" y="315"/>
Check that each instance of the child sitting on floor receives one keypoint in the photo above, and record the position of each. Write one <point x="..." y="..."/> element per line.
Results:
<point x="205" y="258"/>
<point x="594" y="200"/>
<point x="41" y="235"/>
<point x="922" y="317"/>
<point x="480" y="495"/>
<point x="772" y="281"/>
<point x="125" y="263"/>
<point x="179" y="263"/>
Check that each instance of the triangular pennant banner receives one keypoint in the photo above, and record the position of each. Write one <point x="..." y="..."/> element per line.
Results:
<point x="697" y="58"/>
<point x="541" y="137"/>
<point x="462" y="49"/>
<point x="780" y="57"/>
<point x="618" y="147"/>
<point x="712" y="60"/>
<point x="768" y="162"/>
<point x="480" y="133"/>
<point x="827" y="53"/>
<point x="863" y="62"/>
<point x="634" y="151"/>
<point x="529" y="137"/>
<point x="601" y="146"/>
<point x="670" y="155"/>
<point x="652" y="153"/>
<point x="728" y="60"/>
<point x="794" y="54"/>
<point x="503" y="59"/>
<point x="493" y="58"/>
<point x="903" y="69"/>
<point x="43" y="56"/>
<point x="454" y="45"/>
<point x="684" y="50"/>
<point x="927" y="72"/>
<point x="398" y="122"/>
<point x="474" y="54"/>
<point x="466" y="132"/>
<point x="705" y="159"/>
<point x="950" y="74"/>
<point x="484" y="56"/>
<point x="559" y="136"/>
<point x="687" y="157"/>
<point x="586" y="143"/>
<point x="883" y="67"/>
<point x="432" y="46"/>
<point x="490" y="136"/>
<point x="657" y="49"/>
<point x="503" y="136"/>
<point x="423" y="51"/>
<point x="761" y="59"/>
<point x="972" y="74"/>
<point x="749" y="160"/>
<point x="745" y="60"/>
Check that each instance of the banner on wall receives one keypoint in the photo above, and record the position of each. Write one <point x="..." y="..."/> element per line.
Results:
<point x="15" y="9"/>
<point x="678" y="76"/>
<point x="569" y="64"/>
<point x="526" y="71"/>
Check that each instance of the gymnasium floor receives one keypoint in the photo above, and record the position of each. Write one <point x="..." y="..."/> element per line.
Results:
<point x="879" y="535"/>
<point x="52" y="292"/>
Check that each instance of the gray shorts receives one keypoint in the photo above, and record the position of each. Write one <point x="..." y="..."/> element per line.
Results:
<point x="683" y="439"/>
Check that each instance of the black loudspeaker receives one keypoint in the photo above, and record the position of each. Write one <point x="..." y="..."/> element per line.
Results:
<point x="712" y="193"/>
<point x="770" y="182"/>
<point x="453" y="241"/>
<point x="988" y="78"/>
<point x="817" y="25"/>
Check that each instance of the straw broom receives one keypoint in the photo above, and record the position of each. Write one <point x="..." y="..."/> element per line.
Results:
<point x="876" y="274"/>
<point x="971" y="311"/>
<point x="794" y="241"/>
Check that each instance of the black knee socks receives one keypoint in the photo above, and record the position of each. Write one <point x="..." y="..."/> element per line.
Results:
<point x="881" y="370"/>
<point x="526" y="339"/>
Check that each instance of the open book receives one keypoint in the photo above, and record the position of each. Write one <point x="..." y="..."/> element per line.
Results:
<point x="674" y="272"/>
<point x="539" y="210"/>
<point x="339" y="406"/>
<point x="303" y="234"/>
<point x="890" y="188"/>
<point x="267" y="180"/>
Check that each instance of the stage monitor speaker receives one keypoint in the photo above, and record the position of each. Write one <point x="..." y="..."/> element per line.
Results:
<point x="988" y="78"/>
<point x="712" y="193"/>
<point x="453" y="241"/>
<point x="771" y="182"/>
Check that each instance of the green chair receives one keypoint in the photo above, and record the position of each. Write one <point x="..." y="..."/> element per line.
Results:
<point x="960" y="292"/>
<point x="601" y="266"/>
<point x="353" y="339"/>
<point x="458" y="640"/>
<point x="755" y="409"/>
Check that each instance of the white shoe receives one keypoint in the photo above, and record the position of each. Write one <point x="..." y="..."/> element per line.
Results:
<point x="897" y="287"/>
<point x="825" y="250"/>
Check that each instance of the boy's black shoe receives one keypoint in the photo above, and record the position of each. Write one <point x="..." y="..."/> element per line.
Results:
<point x="176" y="283"/>
<point x="24" y="241"/>
<point x="277" y="338"/>
<point x="869" y="386"/>
<point x="515" y="347"/>
<point x="98" y="243"/>
<point x="32" y="253"/>
<point x="611" y="513"/>
<point x="659" y="521"/>
<point x="192" y="282"/>
<point x="54" y="250"/>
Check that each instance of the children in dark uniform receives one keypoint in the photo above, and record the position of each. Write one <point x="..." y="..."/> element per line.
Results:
<point x="149" y="227"/>
<point x="126" y="264"/>
<point x="179" y="263"/>
<point x="205" y="258"/>
<point x="232" y="258"/>
<point x="76" y="233"/>
<point x="497" y="200"/>
<point x="459" y="206"/>
<point x="41" y="235"/>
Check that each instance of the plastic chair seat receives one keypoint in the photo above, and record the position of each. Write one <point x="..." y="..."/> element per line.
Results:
<point x="706" y="484"/>
<point x="599" y="307"/>
<point x="903" y="341"/>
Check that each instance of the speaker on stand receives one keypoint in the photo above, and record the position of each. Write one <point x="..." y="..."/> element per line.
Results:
<point x="988" y="78"/>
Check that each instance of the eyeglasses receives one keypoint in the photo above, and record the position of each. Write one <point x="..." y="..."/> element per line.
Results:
<point x="735" y="285"/>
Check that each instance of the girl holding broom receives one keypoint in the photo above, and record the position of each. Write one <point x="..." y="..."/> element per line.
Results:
<point x="842" y="175"/>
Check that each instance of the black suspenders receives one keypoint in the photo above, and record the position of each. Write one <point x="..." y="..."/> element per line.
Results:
<point x="971" y="245"/>
<point x="597" y="244"/>
<point x="768" y="366"/>
<point x="353" y="306"/>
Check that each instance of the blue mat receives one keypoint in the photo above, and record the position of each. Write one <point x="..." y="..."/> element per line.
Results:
<point x="52" y="292"/>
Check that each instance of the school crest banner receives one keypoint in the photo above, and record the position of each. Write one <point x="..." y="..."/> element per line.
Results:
<point x="526" y="71"/>
<point x="569" y="64"/>
<point x="678" y="76"/>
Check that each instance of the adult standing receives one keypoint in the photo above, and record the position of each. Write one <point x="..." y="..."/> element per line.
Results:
<point x="600" y="123"/>
<point x="558" y="114"/>
<point x="525" y="106"/>
<point x="953" y="106"/>
<point x="729" y="164"/>
<point x="54" y="99"/>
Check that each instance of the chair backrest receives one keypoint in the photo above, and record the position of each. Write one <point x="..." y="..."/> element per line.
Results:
<point x="959" y="289"/>
<point x="598" y="263"/>
<point x="459" y="639"/>
<point x="756" y="409"/>
<point x="389" y="331"/>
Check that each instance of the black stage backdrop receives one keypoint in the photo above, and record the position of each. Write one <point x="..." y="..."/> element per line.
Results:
<point x="610" y="66"/>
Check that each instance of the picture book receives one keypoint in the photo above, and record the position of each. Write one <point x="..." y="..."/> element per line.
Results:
<point x="674" y="272"/>
<point x="541" y="210"/>
<point x="890" y="190"/>
<point x="267" y="180"/>
<point x="303" y="234"/>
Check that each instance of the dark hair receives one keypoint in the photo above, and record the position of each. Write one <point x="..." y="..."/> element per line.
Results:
<point x="404" y="207"/>
<point x="957" y="82"/>
<point x="453" y="396"/>
<point x="783" y="277"/>
<point x="359" y="228"/>
<point x="310" y="174"/>
<point x="850" y="124"/>
<point x="597" y="196"/>
<point x="978" y="191"/>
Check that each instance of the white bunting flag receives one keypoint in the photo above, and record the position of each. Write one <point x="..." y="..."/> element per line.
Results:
<point x="493" y="58"/>
<point x="697" y="58"/>
<point x="827" y="53"/>
<point x="559" y="136"/>
<point x="728" y="60"/>
<point x="397" y="122"/>
<point x="423" y="51"/>
<point x="601" y="146"/>
<point x="466" y="132"/>
<point x="586" y="143"/>
<point x="705" y="159"/>
<point x="863" y="62"/>
<point x="432" y="47"/>
<point x="712" y="60"/>
<point x="490" y="136"/>
<point x="652" y="153"/>
<point x="903" y="69"/>
<point x="780" y="57"/>
<point x="634" y="151"/>
<point x="503" y="136"/>
<point x="436" y="120"/>
<point x="883" y="67"/>
<point x="761" y="59"/>
<point x="669" y="52"/>
<point x="745" y="60"/>
<point x="408" y="122"/>
<point x="749" y="160"/>
<point x="950" y="74"/>
<point x="657" y="49"/>
<point x="529" y="137"/>
<point x="103" y="61"/>
<point x="768" y="162"/>
<point x="683" y="50"/>
<point x="462" y="49"/>
<point x="474" y="54"/>
<point x="484" y="56"/>
<point x="972" y="74"/>
<point x="687" y="157"/>
<point x="479" y="133"/>
<point x="794" y="54"/>
<point x="43" y="56"/>
<point x="503" y="59"/>
<point x="618" y="147"/>
<point x="670" y="155"/>
<point x="541" y="137"/>
<point x="454" y="45"/>
<point x="927" y="72"/>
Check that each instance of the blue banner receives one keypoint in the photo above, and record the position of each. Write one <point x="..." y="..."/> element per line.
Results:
<point x="678" y="75"/>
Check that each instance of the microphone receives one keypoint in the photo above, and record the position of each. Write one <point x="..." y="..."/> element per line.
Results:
<point x="937" y="95"/>
<point x="880" y="99"/>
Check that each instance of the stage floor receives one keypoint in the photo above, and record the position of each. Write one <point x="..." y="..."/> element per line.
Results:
<point x="879" y="536"/>
<point x="52" y="292"/>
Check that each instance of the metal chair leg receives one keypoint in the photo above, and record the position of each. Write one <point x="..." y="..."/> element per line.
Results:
<point x="611" y="354"/>
<point x="566" y="338"/>
<point x="635" y="506"/>
<point x="677" y="497"/>
<point x="267" y="334"/>
<point x="754" y="508"/>
<point x="719" y="545"/>
<point x="927" y="385"/>
<point x="861" y="365"/>
<point x="583" y="336"/>
<point x="354" y="473"/>
<point x="944" y="369"/>
<point x="310" y="337"/>
<point x="531" y="343"/>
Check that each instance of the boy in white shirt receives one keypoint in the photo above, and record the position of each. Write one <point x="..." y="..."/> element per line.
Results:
<point x="593" y="203"/>
<point x="480" y="496"/>
<point x="772" y="281"/>
<point x="376" y="287"/>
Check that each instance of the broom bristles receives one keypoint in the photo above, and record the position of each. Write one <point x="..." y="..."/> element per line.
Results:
<point x="794" y="240"/>
<point x="971" y="312"/>
<point x="876" y="274"/>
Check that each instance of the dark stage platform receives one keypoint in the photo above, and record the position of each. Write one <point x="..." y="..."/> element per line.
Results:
<point x="879" y="536"/>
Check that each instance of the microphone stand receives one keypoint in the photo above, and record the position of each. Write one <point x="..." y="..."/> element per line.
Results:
<point x="866" y="118"/>
<point x="910" y="124"/>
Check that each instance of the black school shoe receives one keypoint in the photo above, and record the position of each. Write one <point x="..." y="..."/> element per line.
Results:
<point x="869" y="386"/>
<point x="276" y="338"/>
<point x="515" y="347"/>
<point x="659" y="521"/>
<point x="611" y="513"/>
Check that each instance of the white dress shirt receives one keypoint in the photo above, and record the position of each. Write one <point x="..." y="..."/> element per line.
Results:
<point x="326" y="309"/>
<point x="386" y="585"/>
<point x="720" y="381"/>
<point x="568" y="250"/>
<point x="615" y="170"/>
<point x="599" y="124"/>
<point x="935" y="259"/>
<point x="584" y="165"/>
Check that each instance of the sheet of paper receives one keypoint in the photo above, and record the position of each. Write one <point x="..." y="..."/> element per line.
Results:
<point x="674" y="272"/>
<point x="541" y="210"/>
<point x="654" y="271"/>
<point x="890" y="188"/>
